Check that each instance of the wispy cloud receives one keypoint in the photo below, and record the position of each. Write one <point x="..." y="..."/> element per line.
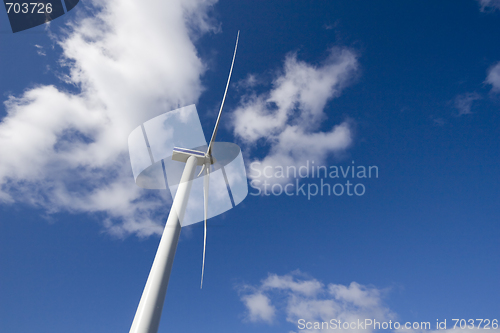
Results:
<point x="437" y="121"/>
<point x="489" y="5"/>
<point x="493" y="78"/>
<point x="40" y="51"/>
<point x="287" y="118"/>
<point x="67" y="151"/>
<point x="249" y="82"/>
<point x="463" y="103"/>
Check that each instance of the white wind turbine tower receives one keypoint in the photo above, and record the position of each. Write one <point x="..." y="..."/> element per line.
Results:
<point x="151" y="145"/>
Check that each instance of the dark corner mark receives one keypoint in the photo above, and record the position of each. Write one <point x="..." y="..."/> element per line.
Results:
<point x="26" y="14"/>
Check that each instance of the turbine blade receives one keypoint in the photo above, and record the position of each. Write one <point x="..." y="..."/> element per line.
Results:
<point x="205" y="206"/>
<point x="201" y="171"/>
<point x="209" y="150"/>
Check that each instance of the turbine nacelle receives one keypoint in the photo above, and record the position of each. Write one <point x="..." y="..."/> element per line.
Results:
<point x="182" y="155"/>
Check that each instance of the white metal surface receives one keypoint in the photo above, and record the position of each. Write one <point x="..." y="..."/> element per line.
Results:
<point x="147" y="317"/>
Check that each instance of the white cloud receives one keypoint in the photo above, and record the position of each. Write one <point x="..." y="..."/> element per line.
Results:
<point x="297" y="296"/>
<point x="259" y="308"/>
<point x="288" y="117"/>
<point x="463" y="103"/>
<point x="489" y="4"/>
<point x="68" y="151"/>
<point x="493" y="78"/>
<point x="287" y="282"/>
<point x="300" y="299"/>
<point x="356" y="294"/>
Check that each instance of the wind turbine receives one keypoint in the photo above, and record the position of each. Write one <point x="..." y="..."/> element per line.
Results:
<point x="153" y="139"/>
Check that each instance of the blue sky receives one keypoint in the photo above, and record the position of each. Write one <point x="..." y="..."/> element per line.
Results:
<point x="410" y="87"/>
